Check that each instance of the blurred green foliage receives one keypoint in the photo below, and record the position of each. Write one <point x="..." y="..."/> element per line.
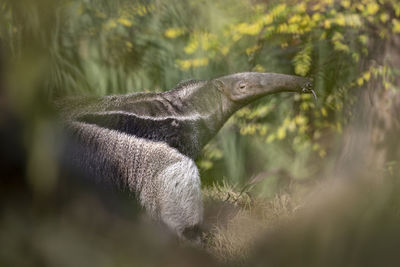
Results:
<point x="99" y="47"/>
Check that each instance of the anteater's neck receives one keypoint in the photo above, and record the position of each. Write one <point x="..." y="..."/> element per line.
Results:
<point x="204" y="101"/>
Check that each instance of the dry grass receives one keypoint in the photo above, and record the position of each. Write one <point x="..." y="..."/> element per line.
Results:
<point x="236" y="219"/>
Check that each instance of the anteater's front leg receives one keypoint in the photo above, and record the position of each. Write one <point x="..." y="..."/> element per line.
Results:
<point x="181" y="207"/>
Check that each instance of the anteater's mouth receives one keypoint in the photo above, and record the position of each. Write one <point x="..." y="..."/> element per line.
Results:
<point x="307" y="88"/>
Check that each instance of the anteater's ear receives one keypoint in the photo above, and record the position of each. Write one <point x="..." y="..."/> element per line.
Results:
<point x="220" y="85"/>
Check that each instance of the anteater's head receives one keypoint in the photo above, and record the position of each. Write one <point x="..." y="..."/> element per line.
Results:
<point x="245" y="87"/>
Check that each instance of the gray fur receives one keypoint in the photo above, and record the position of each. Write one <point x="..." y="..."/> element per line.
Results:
<point x="166" y="183"/>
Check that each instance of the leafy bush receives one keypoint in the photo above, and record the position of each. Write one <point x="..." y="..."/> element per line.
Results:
<point x="100" y="47"/>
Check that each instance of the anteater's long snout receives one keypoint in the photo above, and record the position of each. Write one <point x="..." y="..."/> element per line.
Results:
<point x="249" y="86"/>
<point x="276" y="82"/>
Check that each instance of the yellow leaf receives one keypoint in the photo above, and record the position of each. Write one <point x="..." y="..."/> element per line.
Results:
<point x="339" y="46"/>
<point x="340" y="19"/>
<point x="205" y="164"/>
<point x="396" y="8"/>
<point x="184" y="64"/>
<point x="129" y="44"/>
<point x="267" y="19"/>
<point x="345" y="3"/>
<point x="125" y="22"/>
<point x="360" y="81"/>
<point x="192" y="46"/>
<point x="300" y="120"/>
<point x="384" y="17"/>
<point x="243" y="130"/>
<point x="302" y="61"/>
<point x="360" y="7"/>
<point x="329" y="2"/>
<point x="263" y="130"/>
<point x="259" y="68"/>
<point x="278" y="10"/>
<point x="316" y="7"/>
<point x="367" y="76"/>
<point x="372" y="8"/>
<point x="295" y="19"/>
<point x="251" y="129"/>
<point x="396" y="25"/>
<point x="324" y="112"/>
<point x="173" y="32"/>
<point x="301" y="7"/>
<point x="249" y="29"/>
<point x="236" y="37"/>
<point x="327" y="24"/>
<point x="225" y="50"/>
<point x="316" y="16"/>
<point x="337" y="36"/>
<point x="363" y="39"/>
<point x="207" y="40"/>
<point x="282" y="28"/>
<point x="386" y="84"/>
<point x="198" y="62"/>
<point x="281" y="134"/>
<point x="353" y="20"/>
<point x="252" y="49"/>
<point x="304" y="106"/>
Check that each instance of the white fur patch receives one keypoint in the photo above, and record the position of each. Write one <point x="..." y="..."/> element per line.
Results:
<point x="180" y="192"/>
<point x="192" y="117"/>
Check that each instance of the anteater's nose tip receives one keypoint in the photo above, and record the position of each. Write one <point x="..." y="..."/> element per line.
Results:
<point x="308" y="87"/>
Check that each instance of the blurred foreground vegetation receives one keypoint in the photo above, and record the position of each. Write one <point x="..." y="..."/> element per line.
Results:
<point x="51" y="49"/>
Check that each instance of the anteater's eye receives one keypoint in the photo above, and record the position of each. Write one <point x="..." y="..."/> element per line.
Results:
<point x="242" y="85"/>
